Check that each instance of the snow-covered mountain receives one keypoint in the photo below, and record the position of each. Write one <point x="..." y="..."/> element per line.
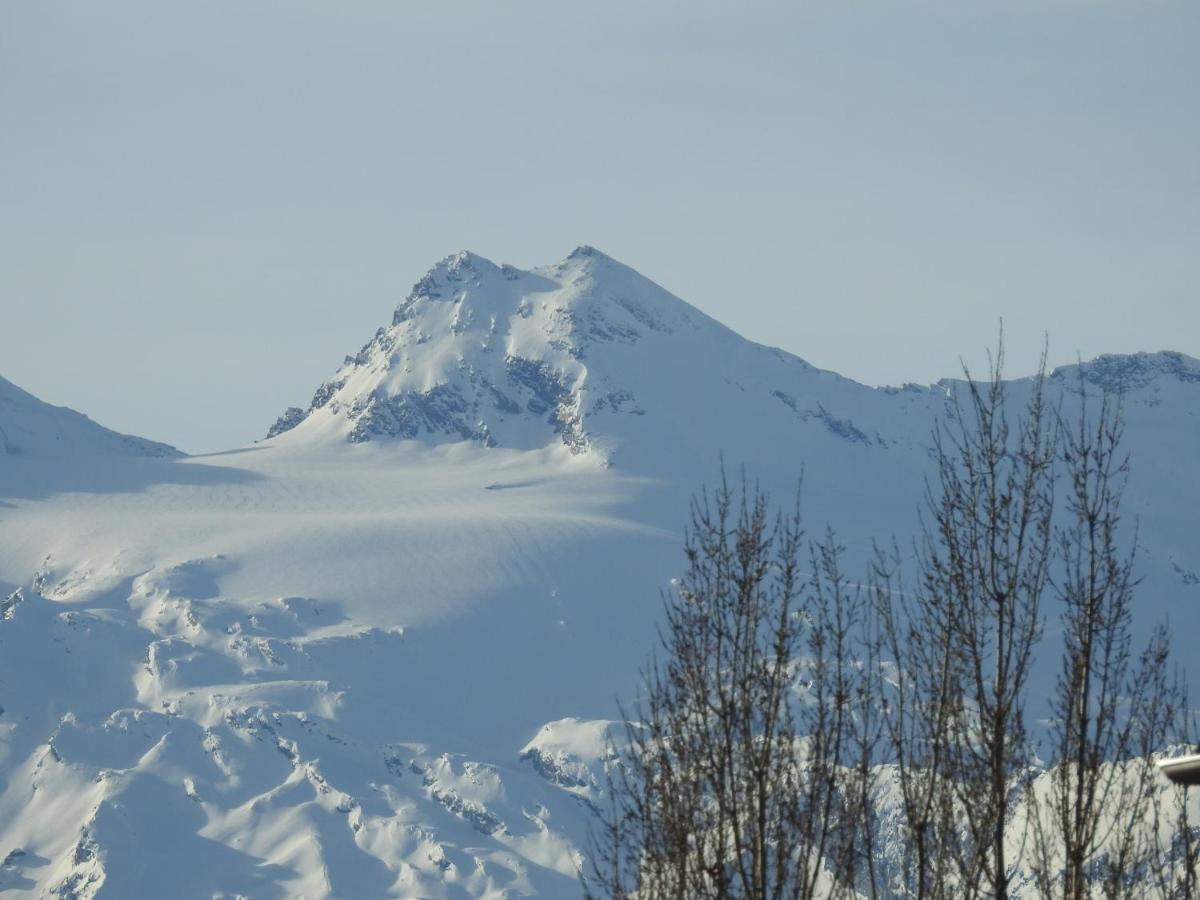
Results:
<point x="586" y="353"/>
<point x="375" y="654"/>
<point x="29" y="426"/>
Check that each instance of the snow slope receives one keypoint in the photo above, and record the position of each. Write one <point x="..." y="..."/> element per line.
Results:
<point x="589" y="354"/>
<point x="376" y="653"/>
<point x="30" y="427"/>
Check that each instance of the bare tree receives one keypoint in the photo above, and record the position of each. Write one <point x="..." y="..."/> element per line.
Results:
<point x="1110" y="711"/>
<point x="789" y="713"/>
<point x="920" y="702"/>
<point x="963" y="641"/>
<point x="844" y="678"/>
<point x="750" y="751"/>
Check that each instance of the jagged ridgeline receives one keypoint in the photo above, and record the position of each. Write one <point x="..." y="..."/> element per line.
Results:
<point x="376" y="654"/>
<point x="498" y="355"/>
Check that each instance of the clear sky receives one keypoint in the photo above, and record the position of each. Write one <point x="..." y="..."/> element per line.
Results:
<point x="205" y="206"/>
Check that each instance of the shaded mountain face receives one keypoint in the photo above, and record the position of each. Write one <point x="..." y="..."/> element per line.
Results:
<point x="30" y="427"/>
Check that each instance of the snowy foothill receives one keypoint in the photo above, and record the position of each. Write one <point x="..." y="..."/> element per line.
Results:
<point x="379" y="652"/>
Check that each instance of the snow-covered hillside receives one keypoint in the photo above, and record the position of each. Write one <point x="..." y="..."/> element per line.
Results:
<point x="589" y="354"/>
<point x="33" y="428"/>
<point x="375" y="654"/>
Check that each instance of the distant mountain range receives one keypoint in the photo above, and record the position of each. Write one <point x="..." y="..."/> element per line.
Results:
<point x="375" y="653"/>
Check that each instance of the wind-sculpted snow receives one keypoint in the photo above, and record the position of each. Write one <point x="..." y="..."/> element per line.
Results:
<point x="379" y="653"/>
<point x="174" y="741"/>
<point x="314" y="678"/>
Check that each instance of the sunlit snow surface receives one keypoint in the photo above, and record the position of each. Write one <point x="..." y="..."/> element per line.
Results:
<point x="292" y="672"/>
<point x="324" y="665"/>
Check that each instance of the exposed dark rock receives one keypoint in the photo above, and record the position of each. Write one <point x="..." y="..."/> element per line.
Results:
<point x="292" y="416"/>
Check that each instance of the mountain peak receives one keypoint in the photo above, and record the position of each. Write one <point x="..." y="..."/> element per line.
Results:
<point x="465" y="263"/>
<point x="588" y="252"/>
<point x="499" y="355"/>
<point x="587" y="354"/>
<point x="1118" y="372"/>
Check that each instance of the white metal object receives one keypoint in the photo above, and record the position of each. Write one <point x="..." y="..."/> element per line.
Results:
<point x="1182" y="769"/>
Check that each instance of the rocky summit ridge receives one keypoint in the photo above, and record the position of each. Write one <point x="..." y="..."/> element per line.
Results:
<point x="502" y="356"/>
<point x="589" y="355"/>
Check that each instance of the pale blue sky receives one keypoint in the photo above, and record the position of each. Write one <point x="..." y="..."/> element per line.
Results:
<point x="204" y="206"/>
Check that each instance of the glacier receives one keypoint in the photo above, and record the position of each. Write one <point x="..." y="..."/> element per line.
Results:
<point x="378" y="653"/>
